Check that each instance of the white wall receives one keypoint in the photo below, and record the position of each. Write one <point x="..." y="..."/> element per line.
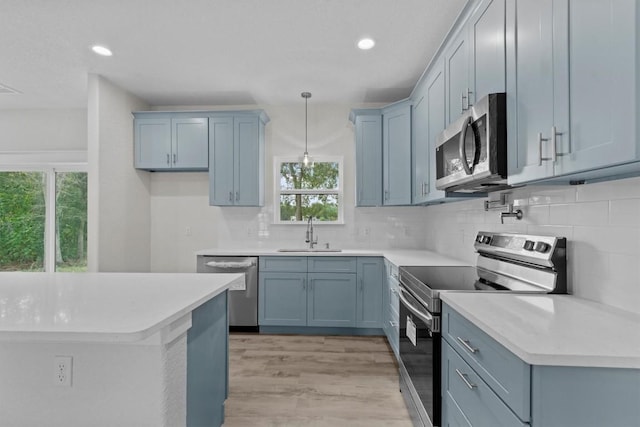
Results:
<point x="180" y="202"/>
<point x="43" y="130"/>
<point x="119" y="204"/>
<point x="600" y="221"/>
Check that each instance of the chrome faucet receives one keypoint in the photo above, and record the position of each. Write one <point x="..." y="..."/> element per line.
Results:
<point x="309" y="235"/>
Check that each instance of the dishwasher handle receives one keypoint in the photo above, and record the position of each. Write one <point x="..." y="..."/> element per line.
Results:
<point x="231" y="264"/>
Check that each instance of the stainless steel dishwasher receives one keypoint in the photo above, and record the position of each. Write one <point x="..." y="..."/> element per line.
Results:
<point x="243" y="303"/>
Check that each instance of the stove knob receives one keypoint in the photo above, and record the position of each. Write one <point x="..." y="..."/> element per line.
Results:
<point x="528" y="245"/>
<point x="486" y="239"/>
<point x="541" y="247"/>
<point x="479" y="238"/>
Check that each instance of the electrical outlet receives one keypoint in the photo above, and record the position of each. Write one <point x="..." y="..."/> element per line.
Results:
<point x="187" y="231"/>
<point x="62" y="367"/>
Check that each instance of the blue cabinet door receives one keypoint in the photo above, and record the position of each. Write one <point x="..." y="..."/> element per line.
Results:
<point x="396" y="155"/>
<point x="249" y="161"/>
<point x="368" y="133"/>
<point x="152" y="143"/>
<point x="331" y="300"/>
<point x="487" y="48"/>
<point x="369" y="301"/>
<point x="221" y="165"/>
<point x="420" y="146"/>
<point x="530" y="90"/>
<point x="190" y="143"/>
<point x="436" y="121"/>
<point x="597" y="41"/>
<point x="457" y="71"/>
<point x="207" y="363"/>
<point x="282" y="299"/>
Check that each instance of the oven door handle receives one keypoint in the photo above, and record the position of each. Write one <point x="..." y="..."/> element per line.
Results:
<point x="461" y="151"/>
<point x="424" y="316"/>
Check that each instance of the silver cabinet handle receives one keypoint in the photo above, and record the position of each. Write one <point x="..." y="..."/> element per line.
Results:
<point x="231" y="196"/>
<point x="175" y="158"/>
<point x="466" y="344"/>
<point x="311" y="284"/>
<point x="461" y="151"/>
<point x="463" y="377"/>
<point x="540" y="158"/>
<point x="304" y="284"/>
<point x="469" y="104"/>
<point x="462" y="99"/>
<point x="168" y="159"/>
<point x="386" y="194"/>
<point x="237" y="196"/>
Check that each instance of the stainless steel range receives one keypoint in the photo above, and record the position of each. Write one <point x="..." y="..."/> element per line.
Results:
<point x="506" y="263"/>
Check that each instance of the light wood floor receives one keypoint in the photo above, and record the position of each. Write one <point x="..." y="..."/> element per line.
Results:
<point x="293" y="380"/>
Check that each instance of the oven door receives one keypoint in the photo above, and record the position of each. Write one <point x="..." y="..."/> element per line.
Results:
<point x="420" y="357"/>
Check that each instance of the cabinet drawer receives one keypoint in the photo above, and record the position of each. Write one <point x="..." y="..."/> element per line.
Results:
<point x="504" y="372"/>
<point x="332" y="264"/>
<point x="478" y="404"/>
<point x="293" y="264"/>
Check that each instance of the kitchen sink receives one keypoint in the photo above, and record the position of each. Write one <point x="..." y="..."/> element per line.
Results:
<point x="310" y="250"/>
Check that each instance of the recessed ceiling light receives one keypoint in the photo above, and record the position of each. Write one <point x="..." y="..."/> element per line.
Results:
<point x="366" y="44"/>
<point x="101" y="50"/>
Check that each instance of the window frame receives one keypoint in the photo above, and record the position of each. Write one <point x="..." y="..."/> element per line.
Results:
<point x="49" y="163"/>
<point x="339" y="192"/>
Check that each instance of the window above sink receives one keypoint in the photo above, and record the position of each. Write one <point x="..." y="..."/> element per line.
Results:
<point x="314" y="191"/>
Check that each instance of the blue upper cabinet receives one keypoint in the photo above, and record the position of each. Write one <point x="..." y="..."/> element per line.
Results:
<point x="420" y="145"/>
<point x="396" y="154"/>
<point x="571" y="74"/>
<point x="487" y="66"/>
<point x="531" y="98"/>
<point x="236" y="156"/>
<point x="170" y="142"/>
<point x="368" y="134"/>
<point x="475" y="58"/>
<point x="457" y="76"/>
<point x="599" y="63"/>
<point x="221" y="153"/>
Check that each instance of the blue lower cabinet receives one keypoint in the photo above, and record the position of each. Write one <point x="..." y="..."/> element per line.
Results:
<point x="490" y="386"/>
<point x="474" y="399"/>
<point x="331" y="299"/>
<point x="369" y="301"/>
<point x="207" y="363"/>
<point x="282" y="299"/>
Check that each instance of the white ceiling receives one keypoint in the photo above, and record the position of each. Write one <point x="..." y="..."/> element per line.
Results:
<point x="218" y="52"/>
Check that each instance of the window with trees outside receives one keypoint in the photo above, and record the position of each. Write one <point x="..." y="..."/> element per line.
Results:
<point x="314" y="190"/>
<point x="43" y="219"/>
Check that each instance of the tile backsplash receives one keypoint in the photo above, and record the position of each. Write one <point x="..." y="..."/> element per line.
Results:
<point x="601" y="222"/>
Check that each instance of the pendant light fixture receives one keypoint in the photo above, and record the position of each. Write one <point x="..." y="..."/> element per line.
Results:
<point x="306" y="159"/>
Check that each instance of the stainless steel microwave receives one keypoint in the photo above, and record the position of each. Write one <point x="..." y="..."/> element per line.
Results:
<point x="471" y="154"/>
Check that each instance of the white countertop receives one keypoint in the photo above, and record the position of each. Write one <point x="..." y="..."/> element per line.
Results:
<point x="100" y="307"/>
<point x="398" y="257"/>
<point x="557" y="330"/>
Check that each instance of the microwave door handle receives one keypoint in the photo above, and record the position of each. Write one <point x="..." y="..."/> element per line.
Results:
<point x="461" y="151"/>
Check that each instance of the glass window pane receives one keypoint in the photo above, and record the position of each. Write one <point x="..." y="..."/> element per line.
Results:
<point x="319" y="175"/>
<point x="71" y="221"/>
<point x="298" y="207"/>
<point x="22" y="221"/>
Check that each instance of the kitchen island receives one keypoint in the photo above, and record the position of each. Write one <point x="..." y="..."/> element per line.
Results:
<point x="139" y="349"/>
